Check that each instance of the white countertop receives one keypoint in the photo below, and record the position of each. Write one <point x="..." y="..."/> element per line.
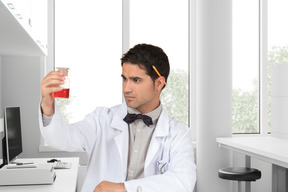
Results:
<point x="266" y="148"/>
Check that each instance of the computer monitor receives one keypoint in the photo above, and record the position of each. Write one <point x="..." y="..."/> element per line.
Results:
<point x="13" y="134"/>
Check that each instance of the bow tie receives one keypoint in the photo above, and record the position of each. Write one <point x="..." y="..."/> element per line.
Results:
<point x="132" y="117"/>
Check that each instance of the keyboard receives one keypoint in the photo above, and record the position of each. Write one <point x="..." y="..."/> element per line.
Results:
<point x="62" y="165"/>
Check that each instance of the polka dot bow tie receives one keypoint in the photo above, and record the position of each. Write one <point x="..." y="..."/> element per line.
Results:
<point x="130" y="118"/>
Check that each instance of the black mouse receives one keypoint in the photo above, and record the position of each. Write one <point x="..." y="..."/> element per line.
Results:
<point x="52" y="160"/>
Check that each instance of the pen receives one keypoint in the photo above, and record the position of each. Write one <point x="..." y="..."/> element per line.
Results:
<point x="18" y="163"/>
<point x="157" y="72"/>
<point x="24" y="163"/>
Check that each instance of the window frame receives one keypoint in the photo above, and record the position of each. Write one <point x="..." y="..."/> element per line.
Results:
<point x="263" y="61"/>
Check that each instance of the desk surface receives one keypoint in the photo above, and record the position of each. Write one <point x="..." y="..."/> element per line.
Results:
<point x="66" y="179"/>
<point x="268" y="148"/>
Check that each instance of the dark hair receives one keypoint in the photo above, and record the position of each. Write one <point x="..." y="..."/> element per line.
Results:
<point x="145" y="55"/>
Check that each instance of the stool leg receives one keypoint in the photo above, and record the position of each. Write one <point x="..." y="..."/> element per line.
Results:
<point x="247" y="186"/>
<point x="247" y="164"/>
<point x="239" y="186"/>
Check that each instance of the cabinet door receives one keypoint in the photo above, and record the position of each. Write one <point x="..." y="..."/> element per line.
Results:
<point x="20" y="9"/>
<point x="38" y="21"/>
<point x="32" y="16"/>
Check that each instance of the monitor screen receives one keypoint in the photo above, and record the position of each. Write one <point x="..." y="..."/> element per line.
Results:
<point x="13" y="133"/>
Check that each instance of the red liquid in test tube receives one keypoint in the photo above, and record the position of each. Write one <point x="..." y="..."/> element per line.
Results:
<point x="64" y="93"/>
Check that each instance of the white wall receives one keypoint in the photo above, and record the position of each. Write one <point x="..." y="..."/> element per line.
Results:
<point x="20" y="88"/>
<point x="1" y="107"/>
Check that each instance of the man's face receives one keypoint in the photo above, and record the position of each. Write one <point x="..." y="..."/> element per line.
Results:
<point x="139" y="89"/>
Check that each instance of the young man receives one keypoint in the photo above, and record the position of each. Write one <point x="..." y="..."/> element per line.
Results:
<point x="127" y="151"/>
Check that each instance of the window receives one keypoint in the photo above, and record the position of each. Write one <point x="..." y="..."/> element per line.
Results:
<point x="277" y="29"/>
<point x="277" y="45"/>
<point x="263" y="44"/>
<point x="166" y="26"/>
<point x="88" y="40"/>
<point x="245" y="31"/>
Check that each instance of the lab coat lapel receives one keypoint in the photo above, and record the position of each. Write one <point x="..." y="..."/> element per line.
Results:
<point x="161" y="131"/>
<point x="122" y="137"/>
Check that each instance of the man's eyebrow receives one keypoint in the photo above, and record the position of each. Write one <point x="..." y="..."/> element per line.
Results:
<point x="133" y="78"/>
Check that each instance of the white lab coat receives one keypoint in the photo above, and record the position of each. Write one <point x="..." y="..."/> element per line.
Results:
<point x="104" y="136"/>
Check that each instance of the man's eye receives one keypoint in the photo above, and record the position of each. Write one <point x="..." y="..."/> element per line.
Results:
<point x="137" y="80"/>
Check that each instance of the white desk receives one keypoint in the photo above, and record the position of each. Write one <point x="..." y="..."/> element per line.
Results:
<point x="270" y="149"/>
<point x="66" y="179"/>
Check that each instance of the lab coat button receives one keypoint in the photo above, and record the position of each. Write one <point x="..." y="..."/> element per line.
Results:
<point x="131" y="172"/>
<point x="139" y="189"/>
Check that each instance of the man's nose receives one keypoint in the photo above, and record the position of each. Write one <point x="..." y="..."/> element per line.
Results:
<point x="127" y="87"/>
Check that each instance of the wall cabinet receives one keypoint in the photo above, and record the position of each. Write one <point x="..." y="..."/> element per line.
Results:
<point x="23" y="27"/>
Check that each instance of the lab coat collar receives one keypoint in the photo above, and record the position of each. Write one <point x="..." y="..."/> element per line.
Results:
<point x="117" y="121"/>
<point x="161" y="131"/>
<point x="162" y="127"/>
<point x="122" y="138"/>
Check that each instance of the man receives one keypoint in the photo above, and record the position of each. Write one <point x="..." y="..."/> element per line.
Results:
<point x="126" y="153"/>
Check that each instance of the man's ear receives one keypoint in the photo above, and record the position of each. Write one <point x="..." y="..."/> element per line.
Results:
<point x="160" y="83"/>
